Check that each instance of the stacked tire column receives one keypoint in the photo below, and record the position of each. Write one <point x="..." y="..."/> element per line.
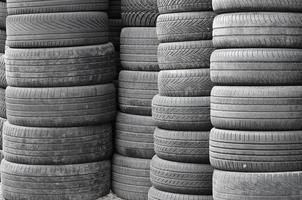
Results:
<point x="180" y="169"/>
<point x="137" y="86"/>
<point x="257" y="140"/>
<point x="57" y="140"/>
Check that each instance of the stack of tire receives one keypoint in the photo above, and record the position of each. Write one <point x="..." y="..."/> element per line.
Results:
<point x="180" y="169"/>
<point x="60" y="100"/>
<point x="134" y="125"/>
<point x="256" y="144"/>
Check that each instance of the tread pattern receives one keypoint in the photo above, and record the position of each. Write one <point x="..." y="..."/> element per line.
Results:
<point x="61" y="107"/>
<point x="174" y="6"/>
<point x="258" y="30"/>
<point x="57" y="29"/>
<point x="3" y="83"/>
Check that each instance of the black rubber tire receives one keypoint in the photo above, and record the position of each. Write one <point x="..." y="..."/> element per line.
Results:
<point x="59" y="67"/>
<point x="136" y="90"/>
<point x="182" y="146"/>
<point x="185" y="83"/>
<point x="3" y="82"/>
<point x="250" y="151"/>
<point x="57" y="29"/>
<point x="155" y="194"/>
<point x="115" y="28"/>
<point x="139" y="49"/>
<point x="139" y="13"/>
<point x="17" y="7"/>
<point x="257" y="108"/>
<point x="181" y="178"/>
<point x="87" y="181"/>
<point x="187" y="26"/>
<point x="3" y="15"/>
<point x="114" y="11"/>
<point x="257" y="186"/>
<point x="182" y="113"/>
<point x="61" y="107"/>
<point x="258" y="30"/>
<point x="185" y="55"/>
<point x="222" y="6"/>
<point x="257" y="67"/>
<point x="56" y="146"/>
<point x="130" y="177"/>
<point x="134" y="135"/>
<point x="174" y="6"/>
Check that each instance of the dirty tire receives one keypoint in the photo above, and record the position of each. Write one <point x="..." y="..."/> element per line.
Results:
<point x="185" y="83"/>
<point x="139" y="49"/>
<point x="258" y="30"/>
<point x="185" y="55"/>
<point x="182" y="178"/>
<point x="87" y="181"/>
<point x="115" y="28"/>
<point x="174" y="6"/>
<point x="134" y="135"/>
<point x="3" y="83"/>
<point x="56" y="146"/>
<point x="57" y="29"/>
<point x="182" y="146"/>
<point x="136" y="90"/>
<point x="130" y="177"/>
<point x="114" y="11"/>
<point x="185" y="26"/>
<point x="182" y="113"/>
<point x="257" y="108"/>
<point x="59" y="67"/>
<point x="265" y="186"/>
<point x="256" y="67"/>
<point x="62" y="106"/>
<point x="3" y="15"/>
<point x="249" y="151"/>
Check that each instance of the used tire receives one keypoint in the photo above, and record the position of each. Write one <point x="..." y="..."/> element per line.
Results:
<point x="59" y="67"/>
<point x="87" y="181"/>
<point x="257" y="186"/>
<point x="136" y="90"/>
<point x="174" y="6"/>
<point x="139" y="49"/>
<point x="182" y="146"/>
<point x="3" y="83"/>
<point x="185" y="55"/>
<point x="258" y="30"/>
<point x="57" y="29"/>
<point x="61" y="107"/>
<point x="257" y="108"/>
<point x="256" y="67"/>
<point x="182" y="113"/>
<point x="181" y="178"/>
<point x="134" y="135"/>
<point x="130" y="177"/>
<point x="185" y="83"/>
<point x="187" y="26"/>
<point x="56" y="146"/>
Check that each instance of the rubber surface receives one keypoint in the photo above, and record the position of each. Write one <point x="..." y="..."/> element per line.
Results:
<point x="174" y="6"/>
<point x="3" y="15"/>
<point x="2" y="121"/>
<point x="3" y="83"/>
<point x="2" y="41"/>
<point x="2" y="103"/>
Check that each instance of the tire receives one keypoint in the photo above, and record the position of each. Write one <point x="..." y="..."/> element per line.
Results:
<point x="257" y="108"/>
<point x="185" y="55"/>
<point x="56" y="146"/>
<point x="130" y="177"/>
<point x="134" y="135"/>
<point x="2" y="41"/>
<point x="230" y="6"/>
<point x="136" y="90"/>
<point x="256" y="67"/>
<point x="114" y="11"/>
<point x="60" y="67"/>
<point x="115" y="28"/>
<point x="61" y="107"/>
<point x="3" y="15"/>
<point x="2" y="103"/>
<point x="3" y="83"/>
<point x="258" y="30"/>
<point x="2" y="121"/>
<point x="257" y="186"/>
<point x="57" y="29"/>
<point x="155" y="194"/>
<point x="182" y="113"/>
<point x="139" y="49"/>
<point x="17" y="7"/>
<point x="182" y="146"/>
<point x="185" y="83"/>
<point x="175" y="6"/>
<point x="249" y="151"/>
<point x="87" y="181"/>
<point x="188" y="26"/>
<point x="181" y="178"/>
